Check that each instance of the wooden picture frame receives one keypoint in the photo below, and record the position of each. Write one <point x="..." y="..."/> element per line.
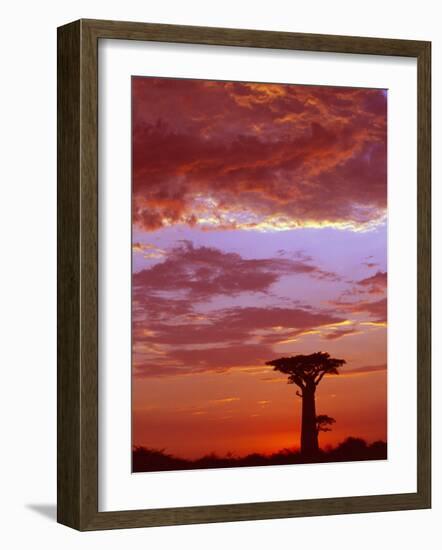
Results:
<point x="78" y="274"/>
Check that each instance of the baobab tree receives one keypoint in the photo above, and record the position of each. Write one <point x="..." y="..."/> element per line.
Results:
<point x="306" y="371"/>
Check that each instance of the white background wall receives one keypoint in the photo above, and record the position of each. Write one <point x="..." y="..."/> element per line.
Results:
<point x="28" y="271"/>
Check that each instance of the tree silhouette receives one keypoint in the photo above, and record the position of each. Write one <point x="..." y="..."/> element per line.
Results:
<point x="306" y="371"/>
<point x="323" y="421"/>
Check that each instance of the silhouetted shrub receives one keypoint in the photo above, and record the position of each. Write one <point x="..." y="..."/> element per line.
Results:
<point x="351" y="449"/>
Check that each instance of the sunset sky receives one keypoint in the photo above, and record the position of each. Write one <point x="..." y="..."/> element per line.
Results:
<point x="259" y="231"/>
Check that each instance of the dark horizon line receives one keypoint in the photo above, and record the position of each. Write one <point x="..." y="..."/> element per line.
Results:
<point x="350" y="449"/>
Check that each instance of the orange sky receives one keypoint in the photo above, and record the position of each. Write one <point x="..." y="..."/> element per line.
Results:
<point x="259" y="231"/>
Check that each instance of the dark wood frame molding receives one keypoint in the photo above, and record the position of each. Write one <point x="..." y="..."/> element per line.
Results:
<point x="78" y="267"/>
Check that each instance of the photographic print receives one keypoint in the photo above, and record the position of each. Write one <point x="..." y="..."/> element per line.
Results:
<point x="259" y="274"/>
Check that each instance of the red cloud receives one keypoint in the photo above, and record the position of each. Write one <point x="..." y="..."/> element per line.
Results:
<point x="225" y="155"/>
<point x="235" y="325"/>
<point x="170" y="335"/>
<point x="376" y="284"/>
<point x="365" y="370"/>
<point x="222" y="340"/>
<point x="216" y="358"/>
<point x="377" y="310"/>
<point x="335" y="335"/>
<point x="204" y="272"/>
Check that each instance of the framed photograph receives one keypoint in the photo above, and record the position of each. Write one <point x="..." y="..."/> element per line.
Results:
<point x="243" y="275"/>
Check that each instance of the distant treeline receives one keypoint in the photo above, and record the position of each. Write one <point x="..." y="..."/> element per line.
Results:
<point x="353" y="448"/>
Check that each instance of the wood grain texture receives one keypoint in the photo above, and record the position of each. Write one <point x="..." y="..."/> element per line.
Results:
<point x="68" y="276"/>
<point x="424" y="274"/>
<point x="78" y="274"/>
<point x="253" y="38"/>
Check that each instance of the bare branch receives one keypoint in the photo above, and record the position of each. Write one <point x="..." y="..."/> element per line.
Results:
<point x="320" y="377"/>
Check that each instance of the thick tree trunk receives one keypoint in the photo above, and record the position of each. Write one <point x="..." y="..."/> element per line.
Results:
<point x="309" y="433"/>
